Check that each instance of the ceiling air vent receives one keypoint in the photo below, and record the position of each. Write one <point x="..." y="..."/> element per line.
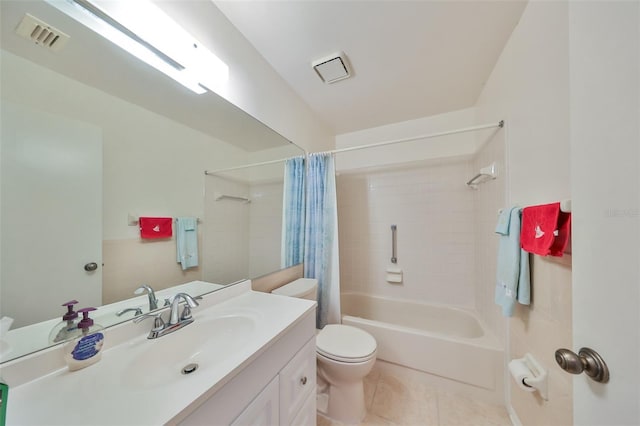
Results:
<point x="332" y="68"/>
<point x="41" y="33"/>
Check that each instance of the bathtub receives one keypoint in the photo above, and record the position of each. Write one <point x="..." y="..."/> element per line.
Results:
<point x="447" y="342"/>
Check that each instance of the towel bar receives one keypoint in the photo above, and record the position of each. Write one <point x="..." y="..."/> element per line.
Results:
<point x="565" y="206"/>
<point x="133" y="220"/>
<point x="219" y="197"/>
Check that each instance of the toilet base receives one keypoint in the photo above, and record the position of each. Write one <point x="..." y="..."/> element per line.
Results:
<point x="346" y="403"/>
<point x="341" y="389"/>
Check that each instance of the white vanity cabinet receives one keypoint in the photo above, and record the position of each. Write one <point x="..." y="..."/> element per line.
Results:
<point x="256" y="366"/>
<point x="277" y="388"/>
<point x="263" y="410"/>
<point x="297" y="383"/>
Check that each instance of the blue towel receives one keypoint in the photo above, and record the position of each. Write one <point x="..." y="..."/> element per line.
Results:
<point x="513" y="278"/>
<point x="187" y="242"/>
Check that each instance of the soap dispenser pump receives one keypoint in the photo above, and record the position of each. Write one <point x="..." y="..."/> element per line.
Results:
<point x="68" y="327"/>
<point x="86" y="349"/>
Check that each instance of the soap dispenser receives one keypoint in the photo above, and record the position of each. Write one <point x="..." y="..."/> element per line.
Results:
<point x="68" y="327"/>
<point x="86" y="349"/>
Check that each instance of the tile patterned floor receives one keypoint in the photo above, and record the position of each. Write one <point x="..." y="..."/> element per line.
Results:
<point x="398" y="400"/>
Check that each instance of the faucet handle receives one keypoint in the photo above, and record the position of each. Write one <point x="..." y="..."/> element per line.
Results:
<point x="186" y="313"/>
<point x="158" y="322"/>
<point x="138" y="311"/>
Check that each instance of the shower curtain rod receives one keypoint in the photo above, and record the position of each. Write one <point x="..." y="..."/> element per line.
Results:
<point x="230" y="169"/>
<point x="499" y="124"/>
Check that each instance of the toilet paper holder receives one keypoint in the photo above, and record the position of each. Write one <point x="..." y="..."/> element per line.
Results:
<point x="530" y="374"/>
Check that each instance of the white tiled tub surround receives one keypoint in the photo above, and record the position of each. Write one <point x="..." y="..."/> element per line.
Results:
<point x="488" y="199"/>
<point x="241" y="239"/>
<point x="434" y="213"/>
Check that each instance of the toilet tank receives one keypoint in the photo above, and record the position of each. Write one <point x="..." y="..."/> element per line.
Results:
<point x="303" y="288"/>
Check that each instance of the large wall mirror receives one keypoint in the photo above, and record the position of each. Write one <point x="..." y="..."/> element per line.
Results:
<point x="92" y="139"/>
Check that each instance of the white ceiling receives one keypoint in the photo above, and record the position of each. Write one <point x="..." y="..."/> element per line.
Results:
<point x="410" y="59"/>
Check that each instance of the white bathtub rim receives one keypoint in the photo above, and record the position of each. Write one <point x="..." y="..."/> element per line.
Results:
<point x="462" y="308"/>
<point x="488" y="340"/>
<point x="485" y="342"/>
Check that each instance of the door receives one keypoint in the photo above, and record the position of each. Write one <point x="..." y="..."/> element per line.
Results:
<point x="605" y="156"/>
<point x="51" y="214"/>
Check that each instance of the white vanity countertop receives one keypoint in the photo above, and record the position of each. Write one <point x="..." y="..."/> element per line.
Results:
<point x="138" y="381"/>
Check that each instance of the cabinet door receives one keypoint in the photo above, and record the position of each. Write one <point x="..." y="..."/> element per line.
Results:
<point x="297" y="382"/>
<point x="307" y="415"/>
<point x="263" y="410"/>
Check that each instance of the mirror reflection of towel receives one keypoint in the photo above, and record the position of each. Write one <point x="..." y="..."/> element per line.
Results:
<point x="187" y="242"/>
<point x="155" y="227"/>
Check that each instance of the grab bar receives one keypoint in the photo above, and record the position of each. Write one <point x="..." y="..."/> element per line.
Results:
<point x="394" y="259"/>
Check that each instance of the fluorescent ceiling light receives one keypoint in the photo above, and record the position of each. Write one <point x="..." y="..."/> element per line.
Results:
<point x="145" y="31"/>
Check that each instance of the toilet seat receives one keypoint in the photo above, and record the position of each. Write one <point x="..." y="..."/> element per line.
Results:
<point x="344" y="343"/>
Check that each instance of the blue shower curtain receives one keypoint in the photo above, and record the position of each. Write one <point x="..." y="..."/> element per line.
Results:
<point x="293" y="213"/>
<point x="321" y="236"/>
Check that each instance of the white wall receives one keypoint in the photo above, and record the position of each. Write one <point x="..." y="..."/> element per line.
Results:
<point x="226" y="238"/>
<point x="423" y="149"/>
<point x="265" y="225"/>
<point x="605" y="156"/>
<point x="152" y="165"/>
<point x="529" y="88"/>
<point x="243" y="239"/>
<point x="253" y="85"/>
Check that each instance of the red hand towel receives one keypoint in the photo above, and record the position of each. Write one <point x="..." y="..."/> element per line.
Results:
<point x="545" y="229"/>
<point x="155" y="227"/>
<point x="562" y="239"/>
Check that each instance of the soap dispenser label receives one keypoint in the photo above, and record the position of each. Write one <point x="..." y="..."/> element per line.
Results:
<point x="88" y="346"/>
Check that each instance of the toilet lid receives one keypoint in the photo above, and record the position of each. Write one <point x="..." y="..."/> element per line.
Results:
<point x="345" y="343"/>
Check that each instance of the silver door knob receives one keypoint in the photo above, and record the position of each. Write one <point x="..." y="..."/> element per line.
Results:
<point x="90" y="267"/>
<point x="586" y="360"/>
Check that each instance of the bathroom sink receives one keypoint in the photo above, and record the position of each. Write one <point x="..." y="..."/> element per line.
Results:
<point x="206" y="342"/>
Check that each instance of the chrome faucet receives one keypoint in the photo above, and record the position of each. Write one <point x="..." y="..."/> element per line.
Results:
<point x="153" y="302"/>
<point x="186" y="312"/>
<point x="176" y="321"/>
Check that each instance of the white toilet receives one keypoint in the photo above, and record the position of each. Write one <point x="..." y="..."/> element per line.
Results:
<point x="345" y="356"/>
